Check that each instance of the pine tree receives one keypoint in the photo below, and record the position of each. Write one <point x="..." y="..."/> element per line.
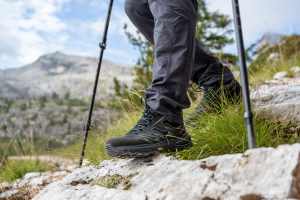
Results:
<point x="55" y="95"/>
<point x="67" y="95"/>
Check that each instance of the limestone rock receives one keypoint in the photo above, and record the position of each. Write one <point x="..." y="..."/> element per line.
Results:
<point x="295" y="69"/>
<point x="32" y="175"/>
<point x="272" y="81"/>
<point x="32" y="183"/>
<point x="283" y="81"/>
<point x="72" y="168"/>
<point x="60" y="174"/>
<point x="265" y="173"/>
<point x="20" y="183"/>
<point x="280" y="75"/>
<point x="273" y="56"/>
<point x="35" y="182"/>
<point x="5" y="186"/>
<point x="281" y="102"/>
<point x="12" y="194"/>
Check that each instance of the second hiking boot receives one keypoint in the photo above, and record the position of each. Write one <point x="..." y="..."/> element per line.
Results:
<point x="212" y="99"/>
<point x="152" y="134"/>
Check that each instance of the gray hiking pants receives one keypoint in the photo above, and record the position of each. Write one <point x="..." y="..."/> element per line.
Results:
<point x="179" y="56"/>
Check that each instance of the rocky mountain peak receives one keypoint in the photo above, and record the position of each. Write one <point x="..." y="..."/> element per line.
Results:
<point x="271" y="39"/>
<point x="61" y="73"/>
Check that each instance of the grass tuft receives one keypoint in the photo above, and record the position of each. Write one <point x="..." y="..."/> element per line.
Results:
<point x="11" y="170"/>
<point x="16" y="169"/>
<point x="225" y="133"/>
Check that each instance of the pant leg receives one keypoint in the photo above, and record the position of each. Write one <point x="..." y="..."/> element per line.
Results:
<point x="206" y="68"/>
<point x="174" y="40"/>
<point x="140" y="15"/>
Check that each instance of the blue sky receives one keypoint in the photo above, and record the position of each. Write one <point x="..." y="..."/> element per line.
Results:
<point x="31" y="28"/>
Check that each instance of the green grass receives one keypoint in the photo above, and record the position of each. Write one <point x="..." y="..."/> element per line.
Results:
<point x="267" y="70"/>
<point x="225" y="133"/>
<point x="95" y="146"/>
<point x="289" y="56"/>
<point x="15" y="169"/>
<point x="215" y="134"/>
<point x="25" y="146"/>
<point x="11" y="170"/>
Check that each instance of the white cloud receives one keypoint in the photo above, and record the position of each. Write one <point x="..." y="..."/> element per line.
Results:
<point x="260" y="16"/>
<point x="94" y="28"/>
<point x="99" y="5"/>
<point x="29" y="28"/>
<point x="117" y="21"/>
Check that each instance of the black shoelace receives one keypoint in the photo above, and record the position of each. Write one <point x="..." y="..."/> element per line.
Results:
<point x="147" y="117"/>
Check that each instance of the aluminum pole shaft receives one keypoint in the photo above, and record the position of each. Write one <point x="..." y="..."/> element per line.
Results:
<point x="102" y="45"/>
<point x="243" y="73"/>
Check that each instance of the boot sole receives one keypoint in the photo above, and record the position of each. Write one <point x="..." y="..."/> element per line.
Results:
<point x="139" y="151"/>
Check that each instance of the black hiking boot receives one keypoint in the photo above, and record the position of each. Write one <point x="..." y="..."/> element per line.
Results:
<point x="152" y="134"/>
<point x="212" y="99"/>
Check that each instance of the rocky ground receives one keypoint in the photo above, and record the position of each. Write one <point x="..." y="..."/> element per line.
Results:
<point x="280" y="98"/>
<point x="32" y="184"/>
<point x="265" y="173"/>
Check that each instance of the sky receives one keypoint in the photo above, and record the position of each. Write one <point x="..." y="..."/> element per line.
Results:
<point x="31" y="28"/>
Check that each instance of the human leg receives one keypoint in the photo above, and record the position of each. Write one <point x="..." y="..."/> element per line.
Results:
<point x="174" y="40"/>
<point x="207" y="70"/>
<point x="159" y="129"/>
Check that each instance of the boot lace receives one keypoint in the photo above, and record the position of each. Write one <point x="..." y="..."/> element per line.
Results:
<point x="147" y="117"/>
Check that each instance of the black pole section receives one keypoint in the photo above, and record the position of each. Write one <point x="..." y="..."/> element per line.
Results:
<point x="102" y="45"/>
<point x="244" y="77"/>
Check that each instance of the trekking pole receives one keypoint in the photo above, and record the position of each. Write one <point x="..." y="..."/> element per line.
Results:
<point x="87" y="127"/>
<point x="248" y="115"/>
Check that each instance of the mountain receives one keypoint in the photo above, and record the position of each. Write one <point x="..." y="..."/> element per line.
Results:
<point x="62" y="73"/>
<point x="60" y="116"/>
<point x="270" y="39"/>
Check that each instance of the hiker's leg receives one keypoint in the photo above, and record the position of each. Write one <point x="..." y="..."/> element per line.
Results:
<point x="207" y="69"/>
<point x="170" y="26"/>
<point x="174" y="40"/>
<point x="140" y="15"/>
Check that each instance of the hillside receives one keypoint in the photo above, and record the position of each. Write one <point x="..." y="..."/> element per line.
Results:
<point x="62" y="73"/>
<point x="60" y="87"/>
